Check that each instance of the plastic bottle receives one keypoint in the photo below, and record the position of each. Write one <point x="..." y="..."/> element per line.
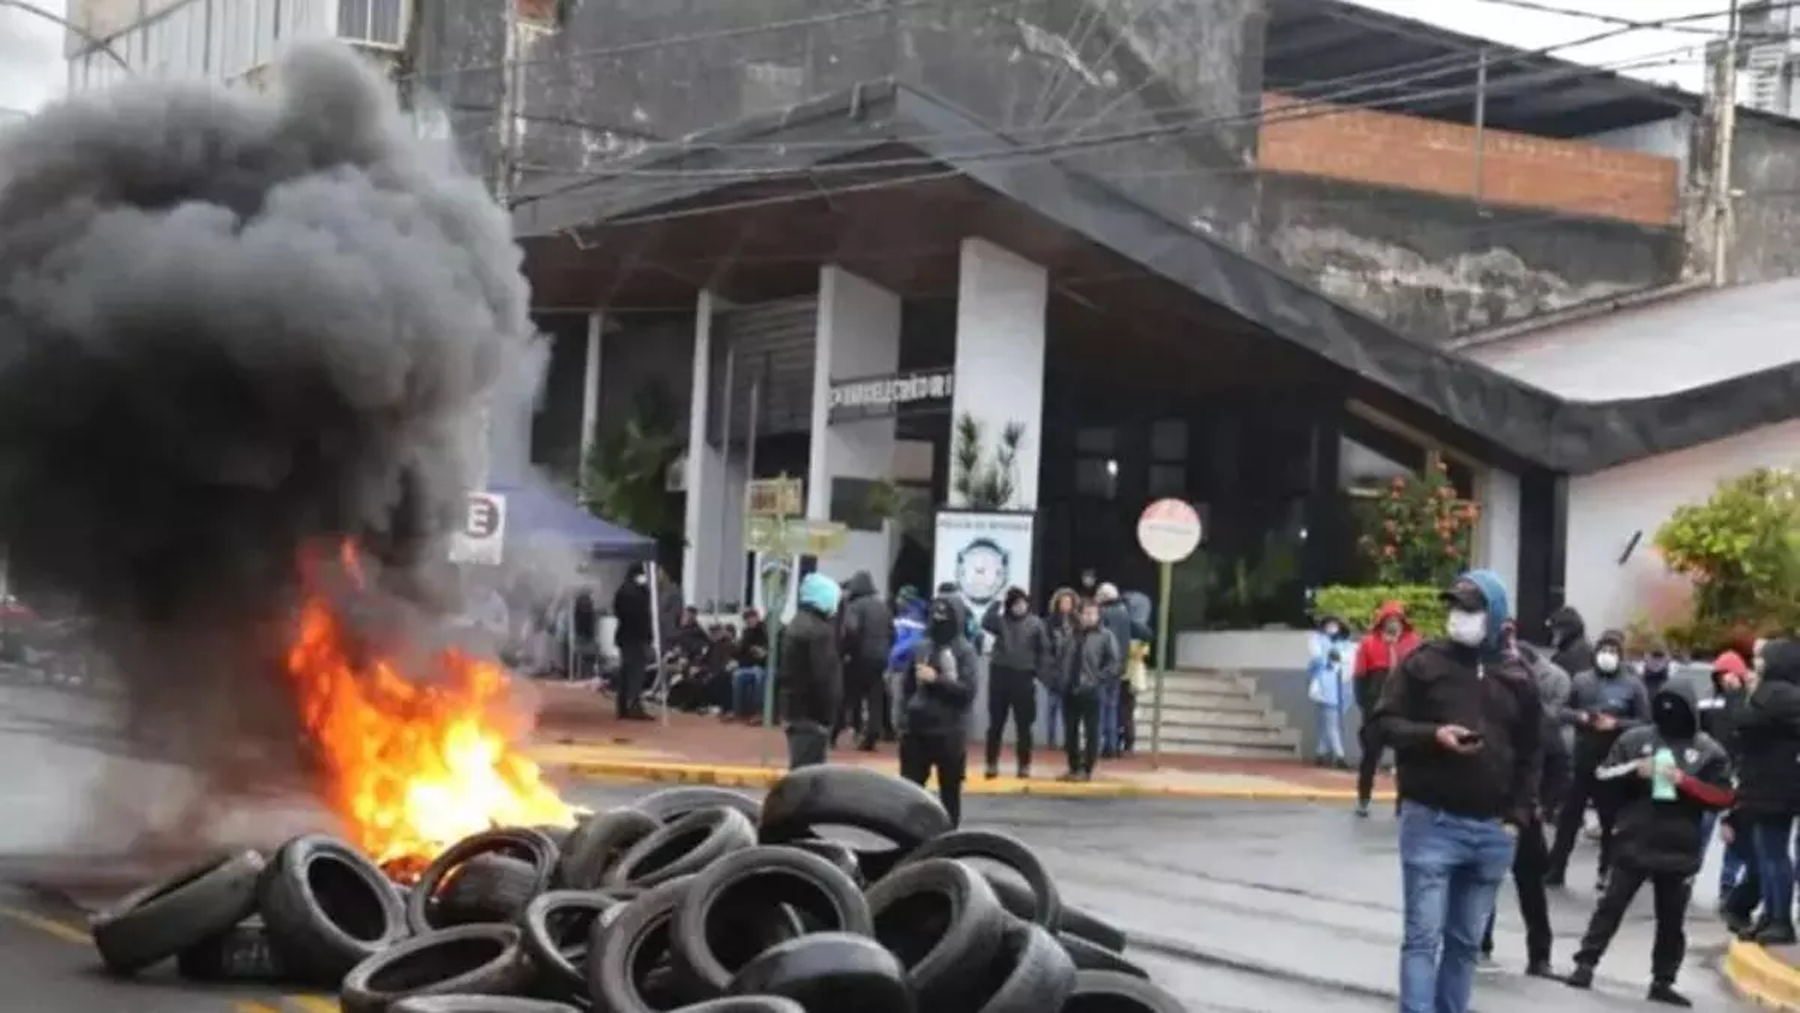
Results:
<point x="1663" y="773"/>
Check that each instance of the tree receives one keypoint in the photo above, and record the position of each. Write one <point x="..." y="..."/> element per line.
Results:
<point x="625" y="477"/>
<point x="1741" y="550"/>
<point x="1419" y="532"/>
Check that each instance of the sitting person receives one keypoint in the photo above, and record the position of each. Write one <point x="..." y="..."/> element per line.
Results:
<point x="752" y="660"/>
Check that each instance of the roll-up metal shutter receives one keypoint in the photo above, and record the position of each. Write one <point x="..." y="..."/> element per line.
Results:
<point x="773" y="341"/>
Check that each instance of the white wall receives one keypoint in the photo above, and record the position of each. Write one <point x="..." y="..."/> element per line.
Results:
<point x="1607" y="507"/>
<point x="1000" y="308"/>
<point x="1497" y="536"/>
<point x="858" y="335"/>
<point x="703" y="471"/>
<point x="718" y="548"/>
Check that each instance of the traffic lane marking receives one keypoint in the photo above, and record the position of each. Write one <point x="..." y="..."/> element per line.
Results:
<point x="79" y="936"/>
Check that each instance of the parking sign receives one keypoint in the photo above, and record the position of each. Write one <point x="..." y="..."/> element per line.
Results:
<point x="482" y="537"/>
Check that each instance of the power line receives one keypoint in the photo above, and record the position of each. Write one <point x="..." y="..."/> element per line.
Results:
<point x="71" y="27"/>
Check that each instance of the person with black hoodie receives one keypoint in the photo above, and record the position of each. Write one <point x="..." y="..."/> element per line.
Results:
<point x="811" y="678"/>
<point x="634" y="637"/>
<point x="1021" y="655"/>
<point x="1569" y="643"/>
<point x="868" y="636"/>
<point x="1678" y="775"/>
<point x="1768" y="734"/>
<point x="1605" y="702"/>
<point x="939" y="686"/>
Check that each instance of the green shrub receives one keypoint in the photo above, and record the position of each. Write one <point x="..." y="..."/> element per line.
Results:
<point x="1357" y="605"/>
<point x="1741" y="550"/>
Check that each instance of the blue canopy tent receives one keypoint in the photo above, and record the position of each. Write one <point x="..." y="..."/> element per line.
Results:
<point x="533" y="512"/>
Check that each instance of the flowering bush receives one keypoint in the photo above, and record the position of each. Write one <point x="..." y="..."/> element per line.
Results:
<point x="1418" y="531"/>
<point x="1741" y="550"/>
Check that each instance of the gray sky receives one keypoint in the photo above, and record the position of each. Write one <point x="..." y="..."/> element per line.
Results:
<point x="31" y="69"/>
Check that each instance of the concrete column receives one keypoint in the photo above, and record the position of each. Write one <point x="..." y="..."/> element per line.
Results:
<point x="695" y="474"/>
<point x="858" y="335"/>
<point x="1497" y="533"/>
<point x="1000" y="312"/>
<point x="590" y="392"/>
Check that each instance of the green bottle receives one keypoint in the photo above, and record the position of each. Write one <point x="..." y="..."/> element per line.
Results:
<point x="1663" y="773"/>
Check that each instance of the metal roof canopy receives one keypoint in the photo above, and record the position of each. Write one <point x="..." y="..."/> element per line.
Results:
<point x="1524" y="422"/>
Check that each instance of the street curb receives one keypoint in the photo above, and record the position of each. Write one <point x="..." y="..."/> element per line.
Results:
<point x="656" y="772"/>
<point x="1758" y="976"/>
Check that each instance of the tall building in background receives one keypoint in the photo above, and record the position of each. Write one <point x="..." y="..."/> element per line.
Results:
<point x="1768" y="56"/>
<point x="223" y="40"/>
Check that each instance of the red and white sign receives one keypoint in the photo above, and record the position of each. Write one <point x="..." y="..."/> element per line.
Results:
<point x="1169" y="530"/>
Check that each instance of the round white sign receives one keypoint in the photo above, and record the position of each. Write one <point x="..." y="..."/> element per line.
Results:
<point x="1169" y="530"/>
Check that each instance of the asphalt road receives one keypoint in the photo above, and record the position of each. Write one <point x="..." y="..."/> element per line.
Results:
<point x="1236" y="907"/>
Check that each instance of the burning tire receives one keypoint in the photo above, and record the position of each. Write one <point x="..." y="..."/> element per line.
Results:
<point x="557" y="926"/>
<point x="241" y="953"/>
<point x="327" y="908"/>
<point x="683" y="847"/>
<point x="830" y="971"/>
<point x="518" y="843"/>
<point x="671" y="804"/>
<point x="478" y="1004"/>
<point x="598" y="843"/>
<point x="160" y="921"/>
<point x="870" y="800"/>
<point x="942" y="920"/>
<point x="1030" y="972"/>
<point x="1021" y="903"/>
<point x="1091" y="956"/>
<point x="628" y="950"/>
<point x="724" y="923"/>
<point x="1111" y="992"/>
<point x="484" y="960"/>
<point x="1046" y="903"/>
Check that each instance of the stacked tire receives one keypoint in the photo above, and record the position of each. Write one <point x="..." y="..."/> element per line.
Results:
<point x="694" y="899"/>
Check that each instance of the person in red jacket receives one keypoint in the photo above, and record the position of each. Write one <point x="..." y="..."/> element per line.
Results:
<point x="1391" y="639"/>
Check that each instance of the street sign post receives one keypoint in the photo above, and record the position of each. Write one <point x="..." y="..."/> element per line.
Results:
<point x="482" y="537"/>
<point x="1168" y="531"/>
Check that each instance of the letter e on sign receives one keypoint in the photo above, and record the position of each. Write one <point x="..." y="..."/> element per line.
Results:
<point x="1169" y="530"/>
<point x="483" y="535"/>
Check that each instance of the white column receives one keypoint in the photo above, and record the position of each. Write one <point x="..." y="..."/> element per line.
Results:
<point x="1497" y="532"/>
<point x="1000" y="309"/>
<point x="694" y="513"/>
<point x="858" y="335"/>
<point x="590" y="393"/>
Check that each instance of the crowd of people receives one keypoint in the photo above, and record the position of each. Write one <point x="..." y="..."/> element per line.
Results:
<point x="1502" y="748"/>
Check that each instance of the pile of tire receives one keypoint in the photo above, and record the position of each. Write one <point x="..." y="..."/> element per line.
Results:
<point x="694" y="899"/>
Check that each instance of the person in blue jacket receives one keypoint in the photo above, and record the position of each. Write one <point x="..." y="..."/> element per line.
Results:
<point x="1328" y="687"/>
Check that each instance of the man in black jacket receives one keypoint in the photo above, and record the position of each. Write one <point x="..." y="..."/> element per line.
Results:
<point x="1464" y="720"/>
<point x="939" y="686"/>
<point x="1568" y="640"/>
<point x="1605" y="702"/>
<point x="812" y="674"/>
<point x="1679" y="774"/>
<point x="1020" y="657"/>
<point x="868" y="636"/>
<point x="634" y="637"/>
<point x="1768" y="800"/>
<point x="1085" y="661"/>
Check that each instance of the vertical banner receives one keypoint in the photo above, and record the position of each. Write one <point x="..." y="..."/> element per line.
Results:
<point x="983" y="553"/>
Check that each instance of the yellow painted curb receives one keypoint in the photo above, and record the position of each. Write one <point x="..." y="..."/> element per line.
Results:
<point x="1762" y="978"/>
<point x="763" y="777"/>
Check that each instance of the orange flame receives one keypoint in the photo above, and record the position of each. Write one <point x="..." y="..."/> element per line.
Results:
<point x="411" y="762"/>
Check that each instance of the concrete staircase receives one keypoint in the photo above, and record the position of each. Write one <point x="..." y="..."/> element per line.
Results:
<point x="1213" y="713"/>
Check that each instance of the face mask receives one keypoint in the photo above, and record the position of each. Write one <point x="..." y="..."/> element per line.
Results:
<point x="1390" y="629"/>
<point x="640" y="580"/>
<point x="1606" y="661"/>
<point x="1656" y="666"/>
<point x="1019" y="609"/>
<point x="1331" y="631"/>
<point x="1467" y="628"/>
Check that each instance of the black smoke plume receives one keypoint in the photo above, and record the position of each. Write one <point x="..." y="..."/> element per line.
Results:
<point x="234" y="325"/>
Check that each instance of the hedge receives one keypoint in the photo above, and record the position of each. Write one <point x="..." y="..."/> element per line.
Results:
<point x="1357" y="605"/>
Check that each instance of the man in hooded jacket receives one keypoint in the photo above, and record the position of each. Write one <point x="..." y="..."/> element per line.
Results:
<point x="1569" y="645"/>
<point x="633" y="635"/>
<point x="939" y="686"/>
<point x="1464" y="720"/>
<point x="868" y="636"/>
<point x="1679" y="774"/>
<point x="1605" y="702"/>
<point x="1377" y="654"/>
<point x="1768" y="802"/>
<point x="812" y="675"/>
<point x="1021" y="655"/>
<point x="1115" y="615"/>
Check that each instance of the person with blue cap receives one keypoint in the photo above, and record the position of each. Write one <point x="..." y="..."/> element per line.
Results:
<point x="811" y="672"/>
<point x="1463" y="717"/>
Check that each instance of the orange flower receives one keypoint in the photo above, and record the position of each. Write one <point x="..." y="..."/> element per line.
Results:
<point x="1389" y="551"/>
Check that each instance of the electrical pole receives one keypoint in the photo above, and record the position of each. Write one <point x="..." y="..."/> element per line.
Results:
<point x="1723" y="145"/>
<point x="500" y="184"/>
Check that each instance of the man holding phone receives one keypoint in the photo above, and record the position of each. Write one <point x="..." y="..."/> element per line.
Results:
<point x="1463" y="717"/>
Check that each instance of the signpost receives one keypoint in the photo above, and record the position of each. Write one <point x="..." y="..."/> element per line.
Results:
<point x="482" y="537"/>
<point x="1168" y="531"/>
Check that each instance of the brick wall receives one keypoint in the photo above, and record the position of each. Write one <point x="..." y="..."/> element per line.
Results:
<point x="1519" y="170"/>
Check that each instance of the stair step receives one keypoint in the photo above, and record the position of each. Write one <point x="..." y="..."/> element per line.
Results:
<point x="1226" y="750"/>
<point x="1184" y="717"/>
<point x="1235" y="700"/>
<point x="1231" y="734"/>
<point x="1198" y="678"/>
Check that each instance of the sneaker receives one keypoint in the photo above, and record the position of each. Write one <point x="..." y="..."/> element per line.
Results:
<point x="1541" y="969"/>
<point x="1667" y="995"/>
<point x="991" y="772"/>
<point x="1486" y="964"/>
<point x="1087" y="775"/>
<point x="1024" y="773"/>
<point x="1776" y="934"/>
<point x="1071" y="776"/>
<point x="1582" y="977"/>
<point x="1362" y="808"/>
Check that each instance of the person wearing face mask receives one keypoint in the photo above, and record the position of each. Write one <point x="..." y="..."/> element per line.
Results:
<point x="1328" y="689"/>
<point x="1718" y="718"/>
<point x="1653" y="670"/>
<point x="1604" y="703"/>
<point x="1379" y="653"/>
<point x="811" y="669"/>
<point x="1570" y="650"/>
<point x="939" y="686"/>
<point x="1768" y="734"/>
<point x="633" y="635"/>
<point x="1464" y="719"/>
<point x="1679" y="775"/>
<point x="1020" y="655"/>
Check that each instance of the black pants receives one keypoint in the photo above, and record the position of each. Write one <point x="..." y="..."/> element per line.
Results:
<point x="808" y="744"/>
<point x="1531" y="859"/>
<point x="1670" y="902"/>
<point x="1553" y="784"/>
<point x="1368" y="735"/>
<point x="1081" y="717"/>
<point x="634" y="662"/>
<point x="919" y="754"/>
<point x="1127" y="717"/>
<point x="865" y="703"/>
<point x="1583" y="789"/>
<point x="1015" y="693"/>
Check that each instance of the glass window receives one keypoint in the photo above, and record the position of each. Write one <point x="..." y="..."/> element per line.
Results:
<point x="1168" y="480"/>
<point x="1362" y="469"/>
<point x="1169" y="440"/>
<point x="1095" y="440"/>
<point x="1096" y="476"/>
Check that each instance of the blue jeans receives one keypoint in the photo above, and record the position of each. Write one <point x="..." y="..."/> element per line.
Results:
<point x="1774" y="844"/>
<point x="1330" y="729"/>
<point x="1053" y="718"/>
<point x="747" y="691"/>
<point x="1452" y="867"/>
<point x="1731" y="862"/>
<point x="1109" y="717"/>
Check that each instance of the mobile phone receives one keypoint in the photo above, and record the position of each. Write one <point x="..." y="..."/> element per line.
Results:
<point x="1473" y="739"/>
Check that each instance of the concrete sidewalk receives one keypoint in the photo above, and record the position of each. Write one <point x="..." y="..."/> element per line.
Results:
<point x="578" y="735"/>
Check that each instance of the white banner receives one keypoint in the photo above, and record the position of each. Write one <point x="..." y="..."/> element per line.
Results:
<point x="983" y="554"/>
